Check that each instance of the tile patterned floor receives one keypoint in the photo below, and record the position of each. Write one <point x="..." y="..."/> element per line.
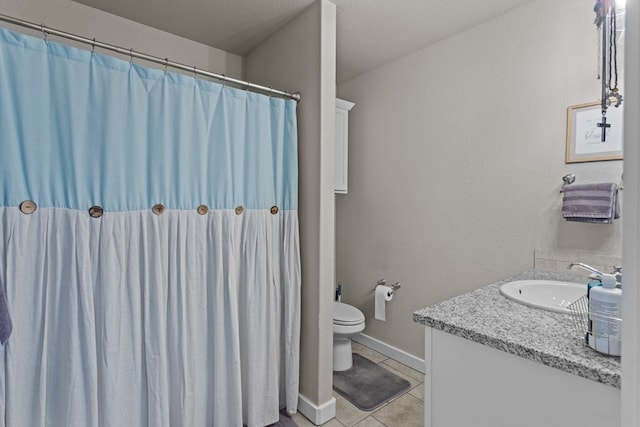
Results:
<point x="407" y="410"/>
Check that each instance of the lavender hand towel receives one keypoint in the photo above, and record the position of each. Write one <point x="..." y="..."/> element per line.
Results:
<point x="5" y="319"/>
<point x="594" y="203"/>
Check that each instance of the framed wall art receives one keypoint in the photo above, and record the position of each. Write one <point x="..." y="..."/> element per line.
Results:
<point x="584" y="136"/>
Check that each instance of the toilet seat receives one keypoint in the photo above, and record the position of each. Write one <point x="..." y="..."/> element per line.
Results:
<point x="346" y="315"/>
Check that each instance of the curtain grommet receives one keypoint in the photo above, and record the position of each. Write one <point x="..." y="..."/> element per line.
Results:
<point x="28" y="207"/>
<point x="95" y="211"/>
<point x="157" y="209"/>
<point x="239" y="210"/>
<point x="203" y="209"/>
<point x="274" y="210"/>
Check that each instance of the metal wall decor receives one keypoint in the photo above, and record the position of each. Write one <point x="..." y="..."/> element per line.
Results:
<point x="606" y="22"/>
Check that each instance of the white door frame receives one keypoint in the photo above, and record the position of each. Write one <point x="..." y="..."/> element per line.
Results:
<point x="631" y="222"/>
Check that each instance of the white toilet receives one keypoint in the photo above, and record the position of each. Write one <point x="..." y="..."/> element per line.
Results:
<point x="348" y="321"/>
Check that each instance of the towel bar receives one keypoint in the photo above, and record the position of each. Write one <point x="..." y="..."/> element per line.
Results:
<point x="571" y="178"/>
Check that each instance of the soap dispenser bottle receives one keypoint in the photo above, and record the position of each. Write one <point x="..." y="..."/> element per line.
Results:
<point x="605" y="316"/>
<point x="594" y="280"/>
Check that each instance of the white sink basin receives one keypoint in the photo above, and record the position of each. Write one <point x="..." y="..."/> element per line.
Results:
<point x="545" y="294"/>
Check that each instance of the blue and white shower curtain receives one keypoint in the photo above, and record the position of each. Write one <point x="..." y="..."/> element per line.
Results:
<point x="149" y="244"/>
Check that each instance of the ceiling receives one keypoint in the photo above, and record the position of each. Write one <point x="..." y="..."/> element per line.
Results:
<point x="370" y="33"/>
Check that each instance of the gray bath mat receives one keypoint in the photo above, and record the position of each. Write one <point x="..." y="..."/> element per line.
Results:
<point x="367" y="385"/>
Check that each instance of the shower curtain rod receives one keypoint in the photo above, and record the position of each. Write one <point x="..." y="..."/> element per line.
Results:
<point x="133" y="54"/>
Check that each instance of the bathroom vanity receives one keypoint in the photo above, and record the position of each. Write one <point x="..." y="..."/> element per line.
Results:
<point x="491" y="362"/>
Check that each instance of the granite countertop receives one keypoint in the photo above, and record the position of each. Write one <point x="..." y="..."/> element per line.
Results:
<point x="487" y="317"/>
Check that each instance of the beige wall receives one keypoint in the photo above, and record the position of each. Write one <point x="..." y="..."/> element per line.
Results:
<point x="88" y="22"/>
<point x="301" y="57"/>
<point x="456" y="156"/>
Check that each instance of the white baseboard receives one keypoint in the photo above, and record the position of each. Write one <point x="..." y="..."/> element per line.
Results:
<point x="393" y="352"/>
<point x="317" y="414"/>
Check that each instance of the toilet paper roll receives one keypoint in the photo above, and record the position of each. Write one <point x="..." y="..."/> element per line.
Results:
<point x="383" y="294"/>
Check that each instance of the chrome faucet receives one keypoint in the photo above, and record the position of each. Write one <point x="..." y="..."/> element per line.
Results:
<point x="617" y="271"/>
<point x="586" y="267"/>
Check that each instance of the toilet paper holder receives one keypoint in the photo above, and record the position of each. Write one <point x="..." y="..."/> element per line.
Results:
<point x="393" y="287"/>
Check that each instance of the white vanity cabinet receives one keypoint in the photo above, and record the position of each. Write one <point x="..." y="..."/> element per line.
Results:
<point x="493" y="362"/>
<point x="471" y="384"/>
<point x="342" y="145"/>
